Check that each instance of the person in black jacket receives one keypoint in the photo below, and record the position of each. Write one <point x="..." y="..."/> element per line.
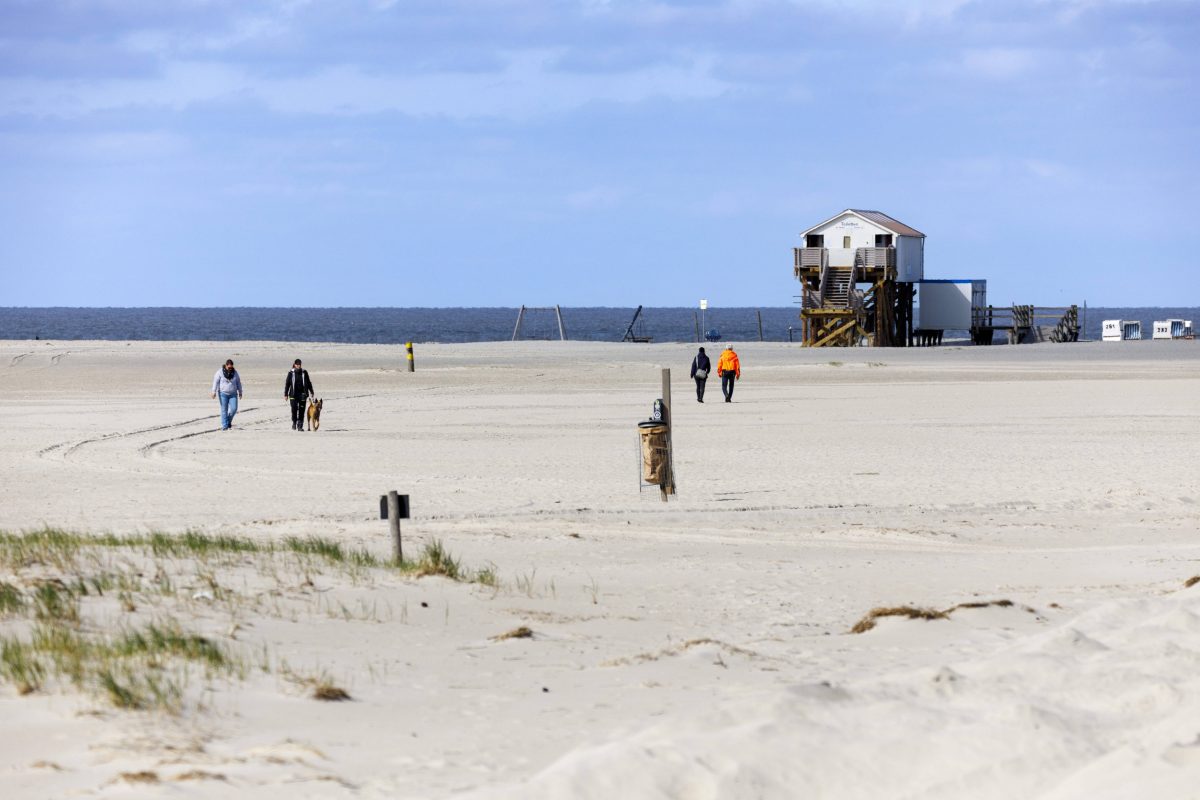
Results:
<point x="700" y="368"/>
<point x="297" y="387"/>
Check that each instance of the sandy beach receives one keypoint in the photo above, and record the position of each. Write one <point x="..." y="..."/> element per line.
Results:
<point x="700" y="648"/>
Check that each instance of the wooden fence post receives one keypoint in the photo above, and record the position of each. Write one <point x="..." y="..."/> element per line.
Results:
<point x="393" y="503"/>
<point x="667" y="487"/>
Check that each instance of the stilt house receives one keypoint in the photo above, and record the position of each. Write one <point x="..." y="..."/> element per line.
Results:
<point x="857" y="271"/>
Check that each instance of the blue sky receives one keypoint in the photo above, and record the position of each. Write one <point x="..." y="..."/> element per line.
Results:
<point x="596" y="152"/>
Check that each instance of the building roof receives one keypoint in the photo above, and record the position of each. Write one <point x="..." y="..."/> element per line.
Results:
<point x="877" y="217"/>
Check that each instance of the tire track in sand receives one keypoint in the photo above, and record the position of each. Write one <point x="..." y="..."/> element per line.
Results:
<point x="144" y="450"/>
<point x="70" y="447"/>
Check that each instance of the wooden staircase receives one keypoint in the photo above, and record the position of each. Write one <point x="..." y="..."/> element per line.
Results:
<point x="837" y="287"/>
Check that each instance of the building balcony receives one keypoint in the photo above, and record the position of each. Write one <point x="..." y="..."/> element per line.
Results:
<point x="861" y="257"/>
<point x="875" y="257"/>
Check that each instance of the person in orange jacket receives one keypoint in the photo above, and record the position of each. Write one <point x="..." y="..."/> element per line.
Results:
<point x="729" y="369"/>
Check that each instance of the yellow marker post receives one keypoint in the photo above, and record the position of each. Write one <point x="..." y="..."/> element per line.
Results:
<point x="411" y="366"/>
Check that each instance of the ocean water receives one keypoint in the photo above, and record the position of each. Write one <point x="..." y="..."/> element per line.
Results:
<point x="396" y="325"/>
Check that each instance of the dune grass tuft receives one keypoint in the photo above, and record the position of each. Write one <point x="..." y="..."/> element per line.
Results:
<point x="144" y="776"/>
<point x="330" y="693"/>
<point x="435" y="559"/>
<point x="11" y="599"/>
<point x="19" y="667"/>
<point x="983" y="604"/>
<point x="911" y="612"/>
<point x="200" y="775"/>
<point x="169" y="639"/>
<point x="523" y="632"/>
<point x="54" y="601"/>
<point x="137" y="668"/>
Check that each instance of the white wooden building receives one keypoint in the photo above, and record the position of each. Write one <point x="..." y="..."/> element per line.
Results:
<point x="869" y="238"/>
<point x="859" y="248"/>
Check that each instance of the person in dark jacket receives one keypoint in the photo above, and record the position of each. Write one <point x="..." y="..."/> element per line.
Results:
<point x="297" y="387"/>
<point x="700" y="369"/>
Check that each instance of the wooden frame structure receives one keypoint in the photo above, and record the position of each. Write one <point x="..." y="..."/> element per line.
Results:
<point x="562" y="330"/>
<point x="835" y="312"/>
<point x="1020" y="324"/>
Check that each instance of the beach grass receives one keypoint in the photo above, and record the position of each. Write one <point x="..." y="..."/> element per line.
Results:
<point x="136" y="668"/>
<point x="65" y="588"/>
<point x="912" y="612"/>
<point x="11" y="599"/>
<point x="55" y="547"/>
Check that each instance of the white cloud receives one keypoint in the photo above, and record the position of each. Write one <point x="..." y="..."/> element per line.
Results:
<point x="525" y="87"/>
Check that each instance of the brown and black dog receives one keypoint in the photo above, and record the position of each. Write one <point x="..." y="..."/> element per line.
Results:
<point x="314" y="414"/>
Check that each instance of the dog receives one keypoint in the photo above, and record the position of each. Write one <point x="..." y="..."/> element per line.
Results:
<point x="314" y="414"/>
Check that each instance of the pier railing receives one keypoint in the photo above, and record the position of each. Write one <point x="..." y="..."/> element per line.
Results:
<point x="1022" y="323"/>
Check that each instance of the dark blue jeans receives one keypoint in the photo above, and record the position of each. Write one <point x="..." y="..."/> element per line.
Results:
<point x="727" y="381"/>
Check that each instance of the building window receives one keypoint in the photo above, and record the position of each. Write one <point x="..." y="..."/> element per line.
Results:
<point x="883" y="240"/>
<point x="814" y="240"/>
<point x="846" y="242"/>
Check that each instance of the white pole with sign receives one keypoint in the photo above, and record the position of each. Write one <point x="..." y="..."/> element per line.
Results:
<point x="703" y="324"/>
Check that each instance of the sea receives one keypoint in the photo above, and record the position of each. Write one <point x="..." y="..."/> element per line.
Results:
<point x="398" y="325"/>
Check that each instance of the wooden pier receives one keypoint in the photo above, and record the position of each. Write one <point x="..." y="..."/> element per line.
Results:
<point x="1021" y="325"/>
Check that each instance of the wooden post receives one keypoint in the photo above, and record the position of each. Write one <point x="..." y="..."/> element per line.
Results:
<point x="408" y="348"/>
<point x="667" y="487"/>
<point x="562" y="331"/>
<point x="393" y="503"/>
<point x="759" y="324"/>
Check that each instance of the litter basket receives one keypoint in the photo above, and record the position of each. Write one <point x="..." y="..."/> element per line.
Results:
<point x="654" y="451"/>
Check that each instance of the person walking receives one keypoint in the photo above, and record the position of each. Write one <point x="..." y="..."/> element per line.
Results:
<point x="227" y="385"/>
<point x="729" y="369"/>
<point x="700" y="369"/>
<point x="297" y="387"/>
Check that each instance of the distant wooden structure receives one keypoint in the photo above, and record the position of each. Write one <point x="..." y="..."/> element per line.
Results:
<point x="858" y="248"/>
<point x="1020" y="324"/>
<point x="562" y="330"/>
<point x="638" y="335"/>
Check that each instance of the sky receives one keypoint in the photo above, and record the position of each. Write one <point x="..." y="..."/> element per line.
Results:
<point x="589" y="152"/>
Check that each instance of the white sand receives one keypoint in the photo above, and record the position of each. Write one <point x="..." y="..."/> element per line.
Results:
<point x="695" y="649"/>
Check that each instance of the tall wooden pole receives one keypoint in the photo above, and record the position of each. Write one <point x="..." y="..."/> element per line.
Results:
<point x="667" y="487"/>
<point x="759" y="324"/>
<point x="393" y="501"/>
